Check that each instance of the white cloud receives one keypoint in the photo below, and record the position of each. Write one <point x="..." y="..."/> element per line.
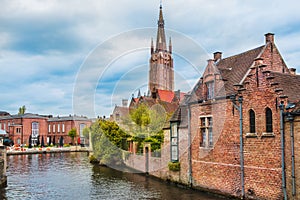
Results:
<point x="43" y="43"/>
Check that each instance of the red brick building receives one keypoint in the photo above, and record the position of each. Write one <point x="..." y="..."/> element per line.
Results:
<point x="291" y="146"/>
<point x="20" y="127"/>
<point x="51" y="129"/>
<point x="59" y="127"/>
<point x="222" y="158"/>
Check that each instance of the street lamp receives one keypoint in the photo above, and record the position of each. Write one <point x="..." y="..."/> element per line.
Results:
<point x="240" y="109"/>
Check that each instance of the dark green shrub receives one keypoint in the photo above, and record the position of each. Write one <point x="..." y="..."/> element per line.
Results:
<point x="174" y="166"/>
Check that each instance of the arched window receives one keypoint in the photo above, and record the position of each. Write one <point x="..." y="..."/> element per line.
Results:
<point x="252" y="121"/>
<point x="269" y="120"/>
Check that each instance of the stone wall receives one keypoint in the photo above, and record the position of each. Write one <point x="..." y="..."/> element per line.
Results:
<point x="3" y="178"/>
<point x="158" y="166"/>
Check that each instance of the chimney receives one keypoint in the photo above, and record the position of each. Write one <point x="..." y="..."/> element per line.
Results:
<point x="292" y="71"/>
<point x="269" y="37"/>
<point x="217" y="56"/>
<point x="210" y="61"/>
<point x="177" y="93"/>
<point x="124" y="102"/>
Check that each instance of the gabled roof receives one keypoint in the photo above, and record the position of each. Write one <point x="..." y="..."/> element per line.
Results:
<point x="169" y="107"/>
<point x="121" y="110"/>
<point x="290" y="84"/>
<point x="296" y="109"/>
<point x="234" y="68"/>
<point x="166" y="95"/>
<point x="181" y="116"/>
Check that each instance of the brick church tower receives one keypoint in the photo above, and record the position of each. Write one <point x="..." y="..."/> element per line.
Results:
<point x="161" y="72"/>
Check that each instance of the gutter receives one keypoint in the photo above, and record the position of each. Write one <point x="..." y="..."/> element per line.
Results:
<point x="293" y="159"/>
<point x="290" y="118"/>
<point x="190" y="174"/>
<point x="240" y="109"/>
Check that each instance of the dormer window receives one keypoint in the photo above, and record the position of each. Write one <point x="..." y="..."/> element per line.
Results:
<point x="210" y="90"/>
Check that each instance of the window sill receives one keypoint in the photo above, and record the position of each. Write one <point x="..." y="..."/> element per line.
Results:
<point x="206" y="147"/>
<point x="251" y="135"/>
<point x="269" y="134"/>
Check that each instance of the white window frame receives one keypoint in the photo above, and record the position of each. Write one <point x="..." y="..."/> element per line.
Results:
<point x="174" y="142"/>
<point x="206" y="131"/>
<point x="210" y="89"/>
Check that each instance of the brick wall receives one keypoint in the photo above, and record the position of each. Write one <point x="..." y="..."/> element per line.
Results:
<point x="218" y="168"/>
<point x="288" y="158"/>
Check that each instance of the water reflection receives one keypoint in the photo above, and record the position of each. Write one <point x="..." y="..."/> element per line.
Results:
<point x="71" y="176"/>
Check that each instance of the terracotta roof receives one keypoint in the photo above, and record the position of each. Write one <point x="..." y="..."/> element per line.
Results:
<point x="234" y="68"/>
<point x="166" y="95"/>
<point x="290" y="85"/>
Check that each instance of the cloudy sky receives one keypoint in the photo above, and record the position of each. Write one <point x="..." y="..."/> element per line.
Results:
<point x="65" y="57"/>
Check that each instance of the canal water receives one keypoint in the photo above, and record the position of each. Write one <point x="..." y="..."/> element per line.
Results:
<point x="66" y="176"/>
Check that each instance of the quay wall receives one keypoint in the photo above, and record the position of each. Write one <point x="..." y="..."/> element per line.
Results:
<point x="3" y="178"/>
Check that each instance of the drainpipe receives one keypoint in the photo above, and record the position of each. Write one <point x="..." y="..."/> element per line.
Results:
<point x="281" y="106"/>
<point x="190" y="175"/>
<point x="291" y="120"/>
<point x="242" y="146"/>
<point x="240" y="109"/>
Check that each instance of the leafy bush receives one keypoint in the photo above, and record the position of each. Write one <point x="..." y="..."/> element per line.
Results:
<point x="174" y="166"/>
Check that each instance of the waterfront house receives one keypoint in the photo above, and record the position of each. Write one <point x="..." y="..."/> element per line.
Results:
<point x="59" y="127"/>
<point x="234" y="124"/>
<point x="20" y="127"/>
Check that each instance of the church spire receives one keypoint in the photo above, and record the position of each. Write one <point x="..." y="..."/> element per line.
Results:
<point x="161" y="71"/>
<point x="161" y="38"/>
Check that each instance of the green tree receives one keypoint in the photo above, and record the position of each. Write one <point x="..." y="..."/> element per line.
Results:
<point x="108" y="141"/>
<point x="146" y="125"/>
<point x="22" y="110"/>
<point x="86" y="132"/>
<point x="141" y="116"/>
<point x="72" y="133"/>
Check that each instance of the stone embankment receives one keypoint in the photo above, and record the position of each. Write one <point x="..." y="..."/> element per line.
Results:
<point x="3" y="178"/>
<point x="19" y="150"/>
